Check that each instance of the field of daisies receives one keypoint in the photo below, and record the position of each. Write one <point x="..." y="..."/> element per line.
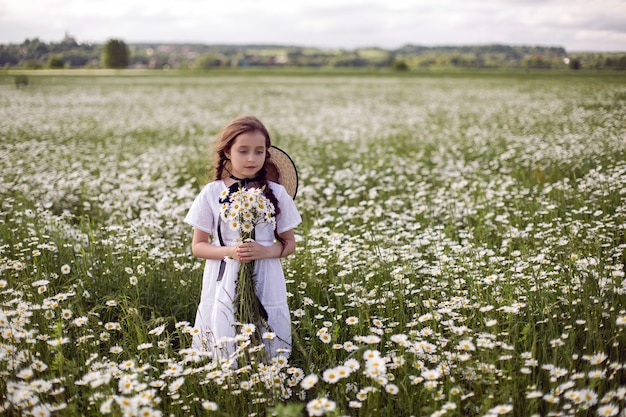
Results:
<point x="462" y="251"/>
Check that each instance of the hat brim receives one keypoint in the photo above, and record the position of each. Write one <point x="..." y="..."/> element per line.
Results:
<point x="287" y="174"/>
<point x="279" y="168"/>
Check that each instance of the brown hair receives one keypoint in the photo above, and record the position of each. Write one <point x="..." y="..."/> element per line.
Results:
<point x="227" y="137"/>
<point x="268" y="172"/>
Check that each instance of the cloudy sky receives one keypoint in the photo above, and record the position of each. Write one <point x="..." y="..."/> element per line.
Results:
<point x="577" y="25"/>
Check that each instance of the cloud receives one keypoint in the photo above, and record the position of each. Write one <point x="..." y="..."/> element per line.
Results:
<point x="574" y="24"/>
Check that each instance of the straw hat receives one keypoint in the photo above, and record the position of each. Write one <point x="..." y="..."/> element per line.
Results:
<point x="281" y="169"/>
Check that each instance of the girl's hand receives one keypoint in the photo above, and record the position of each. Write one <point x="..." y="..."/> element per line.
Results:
<point x="249" y="251"/>
<point x="252" y="251"/>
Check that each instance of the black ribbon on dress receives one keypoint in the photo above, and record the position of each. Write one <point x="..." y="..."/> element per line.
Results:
<point x="232" y="189"/>
<point x="220" y="274"/>
<point x="245" y="181"/>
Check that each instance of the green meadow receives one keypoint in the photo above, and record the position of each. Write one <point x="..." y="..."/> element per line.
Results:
<point x="462" y="251"/>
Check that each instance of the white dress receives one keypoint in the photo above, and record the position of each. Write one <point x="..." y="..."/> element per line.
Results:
<point x="215" y="319"/>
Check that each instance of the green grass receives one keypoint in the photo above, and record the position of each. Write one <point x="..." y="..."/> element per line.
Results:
<point x="464" y="231"/>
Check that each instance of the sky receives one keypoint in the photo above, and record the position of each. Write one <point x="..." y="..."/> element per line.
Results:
<point x="576" y="25"/>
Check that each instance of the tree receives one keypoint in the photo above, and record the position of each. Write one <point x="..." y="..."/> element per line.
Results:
<point x="400" y="65"/>
<point x="574" y="64"/>
<point x="208" y="61"/>
<point x="56" y="61"/>
<point x="116" y="54"/>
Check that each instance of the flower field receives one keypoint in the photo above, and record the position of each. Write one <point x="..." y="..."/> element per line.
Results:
<point x="462" y="251"/>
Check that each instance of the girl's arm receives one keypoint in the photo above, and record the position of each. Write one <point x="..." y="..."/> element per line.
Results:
<point x="251" y="251"/>
<point x="202" y="248"/>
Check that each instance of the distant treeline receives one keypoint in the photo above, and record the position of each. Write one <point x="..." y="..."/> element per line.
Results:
<point x="33" y="53"/>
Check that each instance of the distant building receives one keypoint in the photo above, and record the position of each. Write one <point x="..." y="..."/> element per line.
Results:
<point x="69" y="40"/>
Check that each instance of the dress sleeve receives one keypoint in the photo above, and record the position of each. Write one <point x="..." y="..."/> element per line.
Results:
<point x="289" y="217"/>
<point x="200" y="214"/>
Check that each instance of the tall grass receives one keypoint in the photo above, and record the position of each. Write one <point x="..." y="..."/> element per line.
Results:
<point x="462" y="251"/>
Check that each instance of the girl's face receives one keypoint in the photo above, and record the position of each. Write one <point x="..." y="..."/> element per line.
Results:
<point x="247" y="154"/>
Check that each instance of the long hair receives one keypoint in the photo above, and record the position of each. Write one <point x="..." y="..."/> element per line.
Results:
<point x="268" y="172"/>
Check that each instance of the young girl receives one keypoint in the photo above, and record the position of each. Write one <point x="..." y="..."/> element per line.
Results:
<point x="244" y="158"/>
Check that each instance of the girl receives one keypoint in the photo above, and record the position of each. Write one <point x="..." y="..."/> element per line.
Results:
<point x="244" y="158"/>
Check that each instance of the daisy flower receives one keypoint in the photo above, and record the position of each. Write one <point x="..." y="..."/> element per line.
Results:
<point x="116" y="349"/>
<point x="247" y="227"/>
<point x="466" y="345"/>
<point x="371" y="339"/>
<point x="58" y="341"/>
<point x="371" y="354"/>
<point x="320" y="406"/>
<point x="501" y="409"/>
<point x="325" y="338"/>
<point x="392" y="389"/>
<point x="352" y="363"/>
<point x="608" y="410"/>
<point x="157" y="330"/>
<point x="248" y="329"/>
<point x="79" y="321"/>
<point x="377" y="322"/>
<point x="40" y="410"/>
<point x="355" y="404"/>
<point x="112" y="325"/>
<point x="590" y="397"/>
<point x="176" y="384"/>
<point x="375" y="367"/>
<point x="331" y="376"/>
<point x="550" y="398"/>
<point x="431" y="374"/>
<point x="534" y="394"/>
<point x="210" y="406"/>
<point x="309" y="381"/>
<point x="596" y="374"/>
<point x="598" y="358"/>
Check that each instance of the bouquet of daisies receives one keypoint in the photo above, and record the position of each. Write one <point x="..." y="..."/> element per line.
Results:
<point x="242" y="210"/>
